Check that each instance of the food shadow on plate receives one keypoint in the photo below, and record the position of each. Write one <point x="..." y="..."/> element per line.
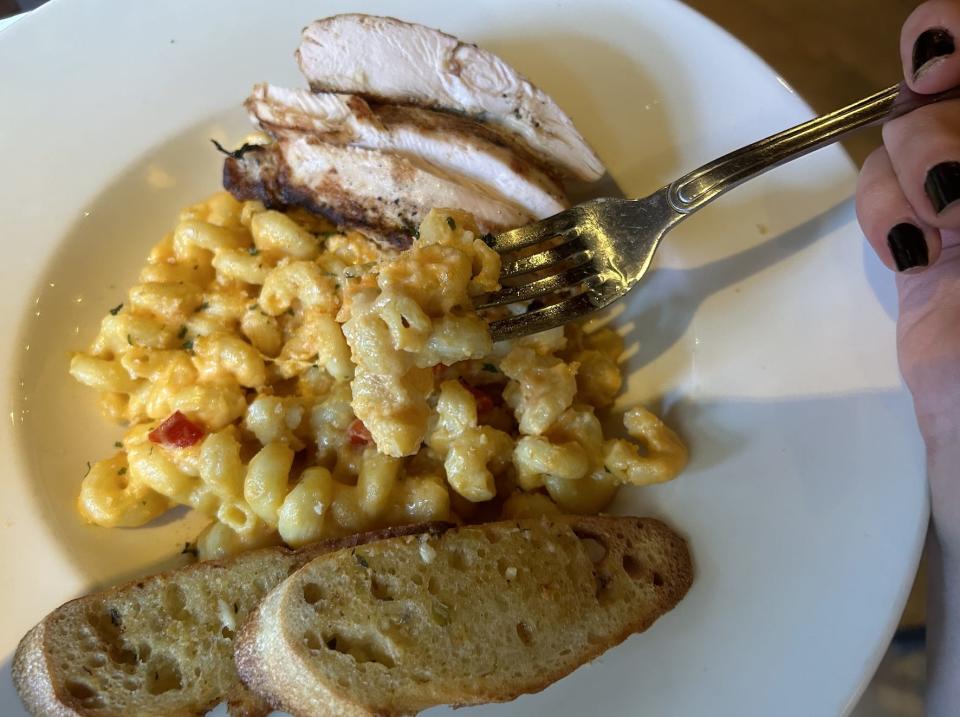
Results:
<point x="662" y="308"/>
<point x="665" y="302"/>
<point x="712" y="444"/>
<point x="10" y="705"/>
<point x="587" y="77"/>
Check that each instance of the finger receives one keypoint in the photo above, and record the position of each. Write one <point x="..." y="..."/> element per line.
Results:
<point x="924" y="147"/>
<point x="928" y="47"/>
<point x="902" y="241"/>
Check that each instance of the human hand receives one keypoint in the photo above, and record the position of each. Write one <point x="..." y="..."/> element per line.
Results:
<point x="908" y="203"/>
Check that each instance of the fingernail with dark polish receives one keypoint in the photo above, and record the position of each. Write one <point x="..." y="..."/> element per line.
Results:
<point x="931" y="45"/>
<point x="908" y="246"/>
<point x="943" y="185"/>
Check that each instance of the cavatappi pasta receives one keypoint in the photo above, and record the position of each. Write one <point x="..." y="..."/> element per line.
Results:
<point x="293" y="383"/>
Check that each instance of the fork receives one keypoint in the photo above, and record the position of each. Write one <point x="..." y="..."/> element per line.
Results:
<point x="595" y="252"/>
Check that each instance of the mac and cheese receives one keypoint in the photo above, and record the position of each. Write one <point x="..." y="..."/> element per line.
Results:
<point x="293" y="383"/>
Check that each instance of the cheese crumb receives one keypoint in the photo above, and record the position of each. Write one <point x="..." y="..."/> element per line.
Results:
<point x="510" y="573"/>
<point x="427" y="553"/>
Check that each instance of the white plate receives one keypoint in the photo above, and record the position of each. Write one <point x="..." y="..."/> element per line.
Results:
<point x="765" y="334"/>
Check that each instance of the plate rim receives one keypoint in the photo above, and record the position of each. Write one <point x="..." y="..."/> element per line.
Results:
<point x="37" y="16"/>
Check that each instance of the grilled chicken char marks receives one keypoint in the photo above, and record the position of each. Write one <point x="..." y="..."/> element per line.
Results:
<point x="383" y="195"/>
<point x="455" y="145"/>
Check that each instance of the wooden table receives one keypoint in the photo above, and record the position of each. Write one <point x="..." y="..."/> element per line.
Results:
<point x="831" y="51"/>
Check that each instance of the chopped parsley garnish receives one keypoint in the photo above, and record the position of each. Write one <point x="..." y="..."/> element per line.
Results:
<point x="450" y="223"/>
<point x="182" y="332"/>
<point x="117" y="444"/>
<point x="362" y="561"/>
<point x="116" y="309"/>
<point x="187" y="345"/>
<point x="122" y="471"/>
<point x="129" y="340"/>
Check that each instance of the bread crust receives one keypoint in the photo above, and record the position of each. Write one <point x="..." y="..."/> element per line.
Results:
<point x="270" y="664"/>
<point x="32" y="679"/>
<point x="41" y="689"/>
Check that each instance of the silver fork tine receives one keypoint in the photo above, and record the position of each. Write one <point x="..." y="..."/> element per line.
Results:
<point x="532" y="233"/>
<point x="564" y="280"/>
<point x="574" y="250"/>
<point x="542" y="319"/>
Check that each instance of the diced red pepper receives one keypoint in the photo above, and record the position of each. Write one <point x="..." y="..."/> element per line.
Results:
<point x="484" y="400"/>
<point x="359" y="434"/>
<point x="177" y="430"/>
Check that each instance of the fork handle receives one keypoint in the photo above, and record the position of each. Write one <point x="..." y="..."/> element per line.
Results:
<point x="703" y="185"/>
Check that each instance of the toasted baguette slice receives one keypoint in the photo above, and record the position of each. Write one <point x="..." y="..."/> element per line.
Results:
<point x="162" y="645"/>
<point x="477" y="614"/>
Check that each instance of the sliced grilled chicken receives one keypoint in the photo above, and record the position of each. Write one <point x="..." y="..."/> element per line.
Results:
<point x="403" y="63"/>
<point x="453" y="144"/>
<point x="384" y="195"/>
